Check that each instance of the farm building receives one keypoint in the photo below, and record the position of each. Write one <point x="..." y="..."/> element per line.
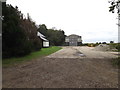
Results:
<point x="73" y="40"/>
<point x="45" y="42"/>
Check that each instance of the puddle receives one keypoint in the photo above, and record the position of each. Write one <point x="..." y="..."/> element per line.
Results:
<point x="79" y="54"/>
<point x="82" y="55"/>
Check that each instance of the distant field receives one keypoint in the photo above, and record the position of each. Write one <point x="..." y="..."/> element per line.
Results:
<point x="33" y="55"/>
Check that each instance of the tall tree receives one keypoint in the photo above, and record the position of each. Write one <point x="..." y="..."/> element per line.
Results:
<point x="19" y="35"/>
<point x="43" y="29"/>
<point x="56" y="37"/>
<point x="114" y="5"/>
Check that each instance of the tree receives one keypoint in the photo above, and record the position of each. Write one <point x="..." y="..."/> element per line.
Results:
<point x="103" y="42"/>
<point x="43" y="29"/>
<point x="99" y="42"/>
<point x="18" y="35"/>
<point x="111" y="41"/>
<point x="114" y="5"/>
<point x="13" y="37"/>
<point x="56" y="37"/>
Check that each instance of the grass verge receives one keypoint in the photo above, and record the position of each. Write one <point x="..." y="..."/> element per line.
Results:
<point x="33" y="55"/>
<point x="116" y="62"/>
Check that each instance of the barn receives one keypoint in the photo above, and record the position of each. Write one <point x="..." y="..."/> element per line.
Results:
<point x="73" y="40"/>
<point x="45" y="42"/>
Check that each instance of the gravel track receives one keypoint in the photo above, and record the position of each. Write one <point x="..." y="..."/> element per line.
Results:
<point x="68" y="70"/>
<point x="88" y="52"/>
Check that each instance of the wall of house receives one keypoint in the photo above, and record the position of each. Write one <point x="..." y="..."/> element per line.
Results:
<point x="45" y="43"/>
<point x="73" y="40"/>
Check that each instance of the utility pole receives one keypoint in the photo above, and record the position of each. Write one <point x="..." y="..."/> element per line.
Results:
<point x="118" y="7"/>
<point x="1" y="18"/>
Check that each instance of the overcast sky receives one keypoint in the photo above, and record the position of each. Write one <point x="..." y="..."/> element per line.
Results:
<point x="90" y="19"/>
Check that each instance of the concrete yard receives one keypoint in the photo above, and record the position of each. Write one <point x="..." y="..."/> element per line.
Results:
<point x="70" y="67"/>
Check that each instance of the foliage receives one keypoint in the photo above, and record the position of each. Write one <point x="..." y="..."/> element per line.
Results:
<point x="84" y="44"/>
<point x="92" y="45"/>
<point x="104" y="43"/>
<point x="116" y="62"/>
<point x="111" y="41"/>
<point x="115" y="46"/>
<point x="96" y="44"/>
<point x="118" y="47"/>
<point x="33" y="55"/>
<point x="114" y="5"/>
<point x="43" y="29"/>
<point x="30" y="30"/>
<point x="56" y="37"/>
<point x="19" y="35"/>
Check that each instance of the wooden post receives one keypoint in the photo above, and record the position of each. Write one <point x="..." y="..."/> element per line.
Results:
<point x="0" y="45"/>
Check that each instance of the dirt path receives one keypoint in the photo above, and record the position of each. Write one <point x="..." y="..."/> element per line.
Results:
<point x="82" y="52"/>
<point x="69" y="70"/>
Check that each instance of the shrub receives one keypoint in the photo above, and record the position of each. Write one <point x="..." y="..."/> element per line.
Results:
<point x="118" y="47"/>
<point x="104" y="43"/>
<point x="85" y="44"/>
<point x="111" y="41"/>
<point x="116" y="62"/>
<point x="89" y="45"/>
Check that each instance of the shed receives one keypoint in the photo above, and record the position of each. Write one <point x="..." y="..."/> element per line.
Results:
<point x="45" y="42"/>
<point x="73" y="40"/>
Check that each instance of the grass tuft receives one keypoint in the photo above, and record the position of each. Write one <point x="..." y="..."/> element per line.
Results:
<point x="116" y="62"/>
<point x="33" y="55"/>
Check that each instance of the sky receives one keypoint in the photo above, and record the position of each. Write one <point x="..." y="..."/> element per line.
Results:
<point x="90" y="19"/>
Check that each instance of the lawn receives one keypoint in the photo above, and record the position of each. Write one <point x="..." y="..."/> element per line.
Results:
<point x="43" y="52"/>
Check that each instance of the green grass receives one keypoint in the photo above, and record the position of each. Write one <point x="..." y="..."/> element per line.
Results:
<point x="33" y="55"/>
<point x="116" y="62"/>
<point x="115" y="46"/>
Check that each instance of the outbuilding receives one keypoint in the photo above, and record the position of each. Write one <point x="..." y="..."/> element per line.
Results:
<point x="45" y="42"/>
<point x="73" y="40"/>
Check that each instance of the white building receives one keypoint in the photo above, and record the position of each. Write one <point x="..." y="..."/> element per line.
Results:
<point x="45" y="42"/>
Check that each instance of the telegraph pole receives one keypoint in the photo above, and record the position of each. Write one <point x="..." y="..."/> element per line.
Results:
<point x="1" y="18"/>
<point x="118" y="23"/>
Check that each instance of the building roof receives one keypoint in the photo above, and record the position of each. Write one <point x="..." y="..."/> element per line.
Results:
<point x="74" y="35"/>
<point x="41" y="36"/>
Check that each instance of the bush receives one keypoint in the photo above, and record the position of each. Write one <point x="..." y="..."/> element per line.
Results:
<point x="118" y="47"/>
<point x="85" y="44"/>
<point x="115" y="46"/>
<point x="91" y="45"/>
<point x="116" y="62"/>
<point x="104" y="43"/>
<point x="111" y="41"/>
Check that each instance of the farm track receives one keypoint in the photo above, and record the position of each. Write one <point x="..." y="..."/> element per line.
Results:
<point x="61" y="70"/>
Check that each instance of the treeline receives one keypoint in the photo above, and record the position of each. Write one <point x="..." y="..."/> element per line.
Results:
<point x="19" y="34"/>
<point x="56" y="37"/>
